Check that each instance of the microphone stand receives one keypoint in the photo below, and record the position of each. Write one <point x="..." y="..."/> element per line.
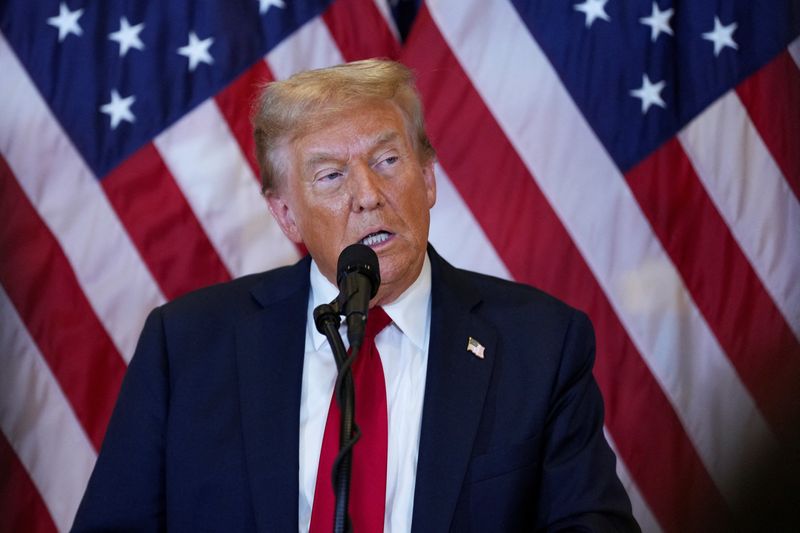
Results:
<point x="327" y="321"/>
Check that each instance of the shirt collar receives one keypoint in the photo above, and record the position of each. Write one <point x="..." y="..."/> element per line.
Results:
<point x="410" y="311"/>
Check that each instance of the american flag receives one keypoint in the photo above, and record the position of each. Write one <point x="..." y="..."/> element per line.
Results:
<point x="638" y="159"/>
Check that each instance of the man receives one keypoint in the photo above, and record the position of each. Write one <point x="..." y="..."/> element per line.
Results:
<point x="494" y="419"/>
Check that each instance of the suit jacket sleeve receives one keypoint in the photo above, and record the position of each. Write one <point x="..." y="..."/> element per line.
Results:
<point x="126" y="491"/>
<point x="579" y="487"/>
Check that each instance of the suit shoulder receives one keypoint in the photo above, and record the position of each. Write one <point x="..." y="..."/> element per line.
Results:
<point x="498" y="292"/>
<point x="518" y="307"/>
<point x="237" y="295"/>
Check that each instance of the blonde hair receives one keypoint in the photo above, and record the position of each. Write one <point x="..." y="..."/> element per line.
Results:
<point x="285" y="109"/>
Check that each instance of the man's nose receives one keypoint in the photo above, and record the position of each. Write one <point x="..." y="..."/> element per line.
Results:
<point x="365" y="188"/>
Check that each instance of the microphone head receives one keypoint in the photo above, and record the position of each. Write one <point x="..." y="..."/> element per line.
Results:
<point x="362" y="259"/>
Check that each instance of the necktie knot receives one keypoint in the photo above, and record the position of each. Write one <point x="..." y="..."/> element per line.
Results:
<point x="377" y="319"/>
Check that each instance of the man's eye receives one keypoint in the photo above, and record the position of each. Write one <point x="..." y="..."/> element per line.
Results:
<point x="389" y="161"/>
<point x="329" y="176"/>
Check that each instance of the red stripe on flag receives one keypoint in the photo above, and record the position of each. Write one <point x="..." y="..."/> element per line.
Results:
<point x="21" y="505"/>
<point x="162" y="225"/>
<point x="650" y="438"/>
<point x="235" y="102"/>
<point x="360" y="30"/>
<point x="726" y="289"/>
<point x="42" y="286"/>
<point x="772" y="99"/>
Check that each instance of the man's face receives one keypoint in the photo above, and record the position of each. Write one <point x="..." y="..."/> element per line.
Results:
<point x="357" y="178"/>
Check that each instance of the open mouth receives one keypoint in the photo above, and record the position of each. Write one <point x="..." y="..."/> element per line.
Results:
<point x="374" y="239"/>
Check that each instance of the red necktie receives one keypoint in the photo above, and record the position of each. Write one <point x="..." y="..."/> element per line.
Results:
<point x="368" y="478"/>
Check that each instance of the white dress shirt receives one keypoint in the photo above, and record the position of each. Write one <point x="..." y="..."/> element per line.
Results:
<point x="403" y="347"/>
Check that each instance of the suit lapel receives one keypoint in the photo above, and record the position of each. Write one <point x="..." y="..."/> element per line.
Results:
<point x="270" y="363"/>
<point x="455" y="389"/>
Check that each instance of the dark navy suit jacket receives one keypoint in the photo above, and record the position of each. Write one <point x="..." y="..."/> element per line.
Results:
<point x="204" y="436"/>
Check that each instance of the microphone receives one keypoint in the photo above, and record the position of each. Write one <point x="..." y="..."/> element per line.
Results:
<point x="358" y="276"/>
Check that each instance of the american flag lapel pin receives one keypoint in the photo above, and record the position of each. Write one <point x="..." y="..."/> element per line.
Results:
<point x="476" y="348"/>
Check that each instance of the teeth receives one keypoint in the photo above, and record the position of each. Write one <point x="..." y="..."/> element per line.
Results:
<point x="375" y="238"/>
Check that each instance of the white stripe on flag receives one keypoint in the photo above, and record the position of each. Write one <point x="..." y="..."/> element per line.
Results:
<point x="794" y="51"/>
<point x="216" y="180"/>
<point x="69" y="198"/>
<point x="311" y="46"/>
<point x="39" y="422"/>
<point x="751" y="194"/>
<point x="641" y="511"/>
<point x="386" y="13"/>
<point x="456" y="234"/>
<point x="593" y="201"/>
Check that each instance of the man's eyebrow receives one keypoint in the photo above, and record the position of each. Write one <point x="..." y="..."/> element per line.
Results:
<point x="325" y="157"/>
<point x="385" y="138"/>
<point x="321" y="157"/>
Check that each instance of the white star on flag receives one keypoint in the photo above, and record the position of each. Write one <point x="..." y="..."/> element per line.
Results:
<point x="593" y="9"/>
<point x="649" y="93"/>
<point x="119" y="109"/>
<point x="721" y="36"/>
<point x="658" y="22"/>
<point x="197" y="51"/>
<point x="66" y="22"/>
<point x="127" y="36"/>
<point x="264" y="5"/>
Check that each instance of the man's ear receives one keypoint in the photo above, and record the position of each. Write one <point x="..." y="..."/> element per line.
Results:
<point x="430" y="182"/>
<point x="283" y="215"/>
